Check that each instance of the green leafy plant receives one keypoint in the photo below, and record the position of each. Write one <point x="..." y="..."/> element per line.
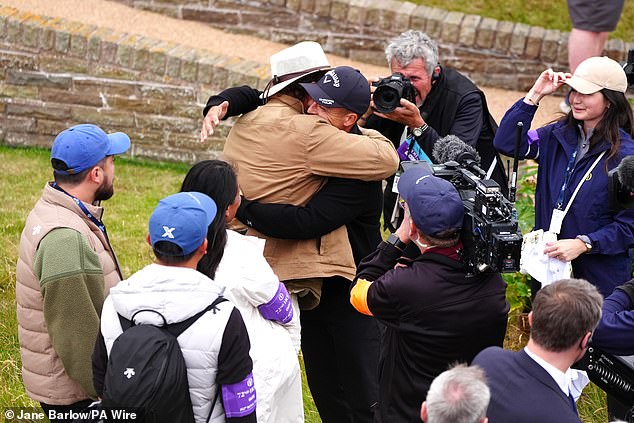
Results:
<point x="518" y="292"/>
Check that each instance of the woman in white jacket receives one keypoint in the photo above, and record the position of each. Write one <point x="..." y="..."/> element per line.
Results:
<point x="249" y="282"/>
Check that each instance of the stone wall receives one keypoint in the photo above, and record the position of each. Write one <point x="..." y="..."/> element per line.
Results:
<point x="493" y="53"/>
<point x="56" y="73"/>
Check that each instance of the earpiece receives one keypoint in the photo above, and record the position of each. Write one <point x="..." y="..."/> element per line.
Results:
<point x="436" y="75"/>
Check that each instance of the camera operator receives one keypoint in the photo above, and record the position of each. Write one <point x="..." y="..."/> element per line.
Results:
<point x="435" y="310"/>
<point x="446" y="102"/>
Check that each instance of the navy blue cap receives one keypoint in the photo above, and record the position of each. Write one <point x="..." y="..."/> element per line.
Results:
<point x="83" y="146"/>
<point x="434" y="204"/>
<point x="343" y="87"/>
<point x="182" y="219"/>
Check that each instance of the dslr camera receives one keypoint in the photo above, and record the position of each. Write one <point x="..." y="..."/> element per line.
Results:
<point x="390" y="90"/>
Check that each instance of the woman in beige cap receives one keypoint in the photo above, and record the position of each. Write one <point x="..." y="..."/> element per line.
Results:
<point x="574" y="156"/>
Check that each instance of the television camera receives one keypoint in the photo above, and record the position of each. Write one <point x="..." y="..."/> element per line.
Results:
<point x="491" y="236"/>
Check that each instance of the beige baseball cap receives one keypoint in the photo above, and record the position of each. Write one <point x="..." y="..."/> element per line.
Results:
<point x="597" y="73"/>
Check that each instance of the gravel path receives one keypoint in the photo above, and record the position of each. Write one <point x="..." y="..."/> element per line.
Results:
<point x="126" y="19"/>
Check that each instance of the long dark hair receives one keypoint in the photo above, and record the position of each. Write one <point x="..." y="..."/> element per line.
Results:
<point x="617" y="115"/>
<point x="218" y="180"/>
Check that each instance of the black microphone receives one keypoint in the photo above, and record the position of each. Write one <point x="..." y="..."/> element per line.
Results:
<point x="621" y="185"/>
<point x="625" y="172"/>
<point x="452" y="148"/>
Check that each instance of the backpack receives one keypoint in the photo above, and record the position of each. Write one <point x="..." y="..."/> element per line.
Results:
<point x="146" y="371"/>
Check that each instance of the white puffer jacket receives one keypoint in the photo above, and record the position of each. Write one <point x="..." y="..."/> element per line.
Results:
<point x="248" y="281"/>
<point x="177" y="293"/>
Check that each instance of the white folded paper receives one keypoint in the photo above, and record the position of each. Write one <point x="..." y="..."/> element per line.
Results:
<point x="537" y="264"/>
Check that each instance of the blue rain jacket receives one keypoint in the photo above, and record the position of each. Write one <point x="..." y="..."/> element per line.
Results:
<point x="609" y="263"/>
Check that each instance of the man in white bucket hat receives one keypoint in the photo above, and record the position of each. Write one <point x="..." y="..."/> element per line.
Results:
<point x="283" y="156"/>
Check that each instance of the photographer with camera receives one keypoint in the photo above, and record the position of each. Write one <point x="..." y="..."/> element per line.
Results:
<point x="435" y="309"/>
<point x="438" y="101"/>
<point x="575" y="155"/>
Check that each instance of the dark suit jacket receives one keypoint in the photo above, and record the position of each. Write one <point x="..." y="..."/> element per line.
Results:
<point x="521" y="390"/>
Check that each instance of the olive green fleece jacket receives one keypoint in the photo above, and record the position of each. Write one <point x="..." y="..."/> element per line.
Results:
<point x="72" y="285"/>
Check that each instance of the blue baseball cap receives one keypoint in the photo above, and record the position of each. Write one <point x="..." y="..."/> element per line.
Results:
<point x="434" y="204"/>
<point x="83" y="146"/>
<point x="343" y="87"/>
<point x="182" y="219"/>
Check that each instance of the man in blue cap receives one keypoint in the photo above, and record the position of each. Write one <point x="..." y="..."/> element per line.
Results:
<point x="65" y="268"/>
<point x="436" y="311"/>
<point x="216" y="345"/>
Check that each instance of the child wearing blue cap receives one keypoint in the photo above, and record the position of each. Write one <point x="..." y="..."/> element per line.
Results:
<point x="216" y="346"/>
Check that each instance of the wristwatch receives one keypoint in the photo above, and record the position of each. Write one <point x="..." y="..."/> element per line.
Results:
<point x="395" y="241"/>
<point x="586" y="240"/>
<point x="420" y="130"/>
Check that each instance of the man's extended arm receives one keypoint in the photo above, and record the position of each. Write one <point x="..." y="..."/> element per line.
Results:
<point x="371" y="291"/>
<point x="333" y="152"/>
<point x="241" y="100"/>
<point x="72" y="285"/>
<point x="336" y="204"/>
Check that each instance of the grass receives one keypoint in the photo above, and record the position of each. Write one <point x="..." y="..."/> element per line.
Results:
<point x="545" y="13"/>
<point x="139" y="186"/>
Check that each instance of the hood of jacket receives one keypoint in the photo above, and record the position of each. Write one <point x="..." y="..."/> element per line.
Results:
<point x="177" y="293"/>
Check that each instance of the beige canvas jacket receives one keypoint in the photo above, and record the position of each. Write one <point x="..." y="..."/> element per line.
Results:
<point x="285" y="156"/>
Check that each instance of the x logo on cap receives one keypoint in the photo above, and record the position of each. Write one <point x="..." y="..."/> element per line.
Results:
<point x="168" y="232"/>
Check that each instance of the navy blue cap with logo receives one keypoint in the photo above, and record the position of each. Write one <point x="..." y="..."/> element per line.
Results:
<point x="343" y="87"/>
<point x="434" y="204"/>
<point x="83" y="146"/>
<point x="182" y="219"/>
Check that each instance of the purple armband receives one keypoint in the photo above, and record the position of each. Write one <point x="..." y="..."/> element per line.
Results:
<point x="280" y="308"/>
<point x="533" y="137"/>
<point x="239" y="398"/>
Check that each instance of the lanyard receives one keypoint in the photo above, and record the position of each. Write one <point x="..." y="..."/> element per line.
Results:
<point x="558" y="215"/>
<point x="411" y="150"/>
<point x="83" y="208"/>
<point x="569" y="168"/>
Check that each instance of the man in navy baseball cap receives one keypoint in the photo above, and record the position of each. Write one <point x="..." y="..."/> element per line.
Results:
<point x="433" y="203"/>
<point x="181" y="220"/>
<point x="341" y="96"/>
<point x="428" y="302"/>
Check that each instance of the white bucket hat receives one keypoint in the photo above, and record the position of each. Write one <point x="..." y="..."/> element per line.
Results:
<point x="597" y="73"/>
<point x="292" y="63"/>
